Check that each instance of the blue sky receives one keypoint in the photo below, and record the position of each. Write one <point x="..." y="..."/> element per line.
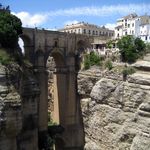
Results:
<point x="54" y="14"/>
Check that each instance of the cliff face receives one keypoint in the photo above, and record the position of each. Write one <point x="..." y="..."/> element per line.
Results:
<point x="10" y="112"/>
<point x="117" y="113"/>
<point x="18" y="109"/>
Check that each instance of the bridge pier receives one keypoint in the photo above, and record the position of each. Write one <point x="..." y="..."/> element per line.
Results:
<point x="66" y="108"/>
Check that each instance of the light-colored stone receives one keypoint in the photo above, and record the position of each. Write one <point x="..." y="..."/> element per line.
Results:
<point x="117" y="116"/>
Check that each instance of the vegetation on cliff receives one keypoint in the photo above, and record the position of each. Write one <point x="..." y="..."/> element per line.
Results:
<point x="10" y="28"/>
<point x="92" y="59"/>
<point x="131" y="48"/>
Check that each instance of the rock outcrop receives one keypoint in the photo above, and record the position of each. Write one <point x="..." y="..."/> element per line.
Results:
<point x="117" y="113"/>
<point x="18" y="109"/>
<point x="10" y="112"/>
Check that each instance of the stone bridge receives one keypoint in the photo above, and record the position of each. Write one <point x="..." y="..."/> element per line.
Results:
<point x="65" y="49"/>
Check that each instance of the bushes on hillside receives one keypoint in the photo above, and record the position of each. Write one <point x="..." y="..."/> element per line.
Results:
<point x="91" y="60"/>
<point x="108" y="64"/>
<point x="131" y="48"/>
<point x="10" y="28"/>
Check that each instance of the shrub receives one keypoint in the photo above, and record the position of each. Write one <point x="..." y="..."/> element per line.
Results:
<point x="87" y="62"/>
<point x="127" y="71"/>
<point x="5" y="58"/>
<point x="92" y="59"/>
<point x="108" y="64"/>
<point x="147" y="48"/>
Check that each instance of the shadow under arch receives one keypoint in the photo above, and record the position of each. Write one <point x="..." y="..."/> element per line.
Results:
<point x="81" y="48"/>
<point x="58" y="56"/>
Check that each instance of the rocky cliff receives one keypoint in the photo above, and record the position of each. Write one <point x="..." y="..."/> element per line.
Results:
<point x="10" y="110"/>
<point x="18" y="108"/>
<point x="116" y="113"/>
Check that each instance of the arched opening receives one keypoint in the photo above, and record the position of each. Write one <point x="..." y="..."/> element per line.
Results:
<point x="50" y="65"/>
<point x="21" y="45"/>
<point x="81" y="46"/>
<point x="80" y="54"/>
<point x="55" y="65"/>
<point x="26" y="46"/>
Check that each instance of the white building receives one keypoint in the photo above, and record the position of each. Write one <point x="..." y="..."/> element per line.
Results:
<point x="101" y="35"/>
<point x="145" y="28"/>
<point x="128" y="25"/>
<point x="138" y="26"/>
<point x="88" y="29"/>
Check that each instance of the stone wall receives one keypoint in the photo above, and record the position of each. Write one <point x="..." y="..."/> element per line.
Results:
<point x="117" y="113"/>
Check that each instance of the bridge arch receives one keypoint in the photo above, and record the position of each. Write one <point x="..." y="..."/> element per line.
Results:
<point x="28" y="46"/>
<point x="64" y="48"/>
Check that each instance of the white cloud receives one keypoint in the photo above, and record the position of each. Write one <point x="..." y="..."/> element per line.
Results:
<point x="38" y="19"/>
<point x="111" y="26"/>
<point x="71" y="22"/>
<point x="102" y="11"/>
<point x="31" y="20"/>
<point x="51" y="29"/>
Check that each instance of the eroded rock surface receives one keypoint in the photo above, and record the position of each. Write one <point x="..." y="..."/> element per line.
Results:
<point x="18" y="109"/>
<point x="117" y="114"/>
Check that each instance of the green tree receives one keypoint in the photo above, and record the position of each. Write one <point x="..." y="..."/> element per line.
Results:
<point x="92" y="59"/>
<point x="10" y="28"/>
<point x="109" y="44"/>
<point x="87" y="62"/>
<point x="140" y="46"/>
<point x="131" y="48"/>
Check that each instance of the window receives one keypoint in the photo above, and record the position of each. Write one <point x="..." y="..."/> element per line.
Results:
<point x="128" y="25"/>
<point x="93" y="32"/>
<point x="118" y="29"/>
<point x="78" y="30"/>
<point x="132" y="24"/>
<point x="99" y="32"/>
<point x="96" y="32"/>
<point x="89" y="31"/>
<point x="126" y="33"/>
<point x="125" y="24"/>
<point x="146" y="38"/>
<point x="84" y="31"/>
<point x="132" y="32"/>
<point x="118" y="35"/>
